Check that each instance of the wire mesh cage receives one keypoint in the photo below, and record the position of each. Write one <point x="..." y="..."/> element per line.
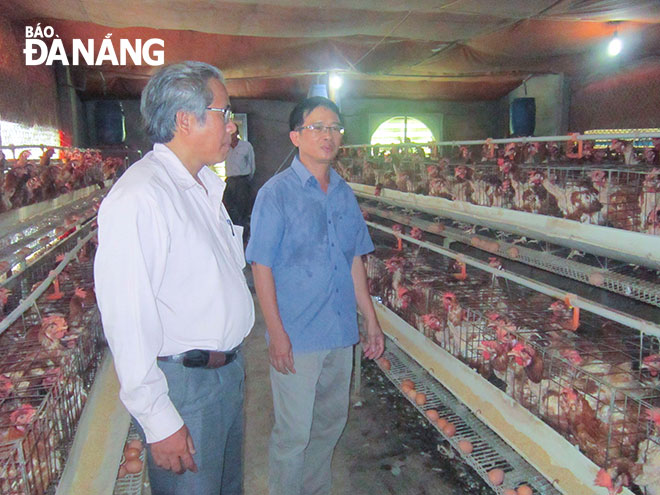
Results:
<point x="597" y="187"/>
<point x="48" y="356"/>
<point x="591" y="379"/>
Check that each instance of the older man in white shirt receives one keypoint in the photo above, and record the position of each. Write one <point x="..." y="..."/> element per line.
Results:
<point x="174" y="302"/>
<point x="239" y="167"/>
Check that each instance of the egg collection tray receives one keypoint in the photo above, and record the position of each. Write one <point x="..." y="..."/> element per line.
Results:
<point x="594" y="384"/>
<point x="489" y="450"/>
<point x="48" y="357"/>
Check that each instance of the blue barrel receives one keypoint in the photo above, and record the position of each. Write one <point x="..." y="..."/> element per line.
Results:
<point x="522" y="116"/>
<point x="110" y="122"/>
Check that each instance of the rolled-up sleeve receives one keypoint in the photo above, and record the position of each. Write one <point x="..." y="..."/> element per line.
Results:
<point x="267" y="230"/>
<point x="128" y="270"/>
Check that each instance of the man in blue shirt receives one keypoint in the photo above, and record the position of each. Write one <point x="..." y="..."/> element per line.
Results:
<point x="308" y="236"/>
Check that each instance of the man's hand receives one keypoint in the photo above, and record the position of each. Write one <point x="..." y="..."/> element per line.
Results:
<point x="175" y="452"/>
<point x="280" y="352"/>
<point x="374" y="343"/>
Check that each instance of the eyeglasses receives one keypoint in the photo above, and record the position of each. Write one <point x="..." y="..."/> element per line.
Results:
<point x="319" y="129"/>
<point x="229" y="115"/>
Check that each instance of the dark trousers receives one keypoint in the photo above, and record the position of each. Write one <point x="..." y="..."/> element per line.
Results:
<point x="237" y="199"/>
<point x="211" y="405"/>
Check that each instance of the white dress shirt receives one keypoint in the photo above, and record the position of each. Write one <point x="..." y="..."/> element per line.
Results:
<point x="168" y="275"/>
<point x="240" y="160"/>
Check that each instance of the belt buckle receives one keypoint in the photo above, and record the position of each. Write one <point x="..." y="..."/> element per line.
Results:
<point x="196" y="358"/>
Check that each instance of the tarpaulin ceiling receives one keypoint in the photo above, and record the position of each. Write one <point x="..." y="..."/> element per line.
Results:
<point x="424" y="49"/>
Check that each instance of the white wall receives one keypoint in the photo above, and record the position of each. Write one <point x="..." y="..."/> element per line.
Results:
<point x="551" y="103"/>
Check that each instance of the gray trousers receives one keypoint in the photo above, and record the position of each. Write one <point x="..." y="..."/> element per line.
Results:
<point x="311" y="409"/>
<point x="211" y="405"/>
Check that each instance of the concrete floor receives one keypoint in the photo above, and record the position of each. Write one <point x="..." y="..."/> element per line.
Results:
<point x="371" y="458"/>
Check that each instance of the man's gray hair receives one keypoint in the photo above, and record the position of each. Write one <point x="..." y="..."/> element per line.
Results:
<point x="175" y="88"/>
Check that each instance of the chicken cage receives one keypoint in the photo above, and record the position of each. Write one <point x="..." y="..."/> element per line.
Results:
<point x="592" y="379"/>
<point x="49" y="350"/>
<point x="587" y="188"/>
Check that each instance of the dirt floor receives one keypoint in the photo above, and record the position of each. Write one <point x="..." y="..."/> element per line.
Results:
<point x="387" y="447"/>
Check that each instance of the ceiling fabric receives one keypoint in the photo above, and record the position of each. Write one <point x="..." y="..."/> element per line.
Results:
<point x="425" y="49"/>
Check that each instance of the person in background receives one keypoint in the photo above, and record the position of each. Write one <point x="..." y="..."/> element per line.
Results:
<point x="308" y="238"/>
<point x="174" y="302"/>
<point x="239" y="167"/>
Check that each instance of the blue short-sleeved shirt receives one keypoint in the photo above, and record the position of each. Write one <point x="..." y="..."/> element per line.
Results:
<point x="309" y="239"/>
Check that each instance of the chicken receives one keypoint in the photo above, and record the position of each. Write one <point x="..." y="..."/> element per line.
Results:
<point x="431" y="326"/>
<point x="609" y="479"/>
<point x="81" y="301"/>
<point x="44" y="160"/>
<point x="49" y="332"/>
<point x="563" y="317"/>
<point x="577" y="201"/>
<point x="458" y="270"/>
<point x="6" y="386"/>
<point x="531" y="196"/>
<point x="527" y="357"/>
<point x="460" y="184"/>
<point x="4" y="298"/>
<point x="619" y="200"/>
<point x="458" y="332"/>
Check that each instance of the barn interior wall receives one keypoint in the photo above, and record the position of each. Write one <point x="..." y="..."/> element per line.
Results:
<point x="626" y="99"/>
<point x="551" y="98"/>
<point x="29" y="93"/>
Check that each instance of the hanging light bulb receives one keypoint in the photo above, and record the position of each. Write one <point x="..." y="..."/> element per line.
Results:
<point x="614" y="48"/>
<point x="335" y="81"/>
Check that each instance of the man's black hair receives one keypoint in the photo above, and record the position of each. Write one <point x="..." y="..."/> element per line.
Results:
<point x="305" y="107"/>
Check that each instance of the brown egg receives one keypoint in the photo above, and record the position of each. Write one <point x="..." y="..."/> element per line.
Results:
<point x="432" y="414"/>
<point x="496" y="476"/>
<point x="407" y="383"/>
<point x="412" y="393"/>
<point x="135" y="444"/>
<point x="122" y="472"/>
<point x="596" y="278"/>
<point x="524" y="490"/>
<point x="131" y="454"/>
<point x="385" y="363"/>
<point x="513" y="252"/>
<point x="492" y="246"/>
<point x="442" y="422"/>
<point x="465" y="446"/>
<point x="420" y="399"/>
<point x="134" y="466"/>
<point x="449" y="430"/>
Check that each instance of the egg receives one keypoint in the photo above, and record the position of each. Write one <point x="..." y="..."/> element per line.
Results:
<point x="465" y="446"/>
<point x="412" y="393"/>
<point x="449" y="430"/>
<point x="420" y="399"/>
<point x="496" y="476"/>
<point x="122" y="472"/>
<point x="442" y="422"/>
<point x="596" y="278"/>
<point x="524" y="490"/>
<point x="131" y="454"/>
<point x="135" y="444"/>
<point x="134" y="466"/>
<point x="513" y="252"/>
<point x="407" y="383"/>
<point x="432" y="414"/>
<point x="385" y="363"/>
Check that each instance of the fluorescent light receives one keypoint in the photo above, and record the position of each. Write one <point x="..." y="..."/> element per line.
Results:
<point x="614" y="48"/>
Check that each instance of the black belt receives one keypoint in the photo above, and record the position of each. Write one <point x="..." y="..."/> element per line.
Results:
<point x="200" y="358"/>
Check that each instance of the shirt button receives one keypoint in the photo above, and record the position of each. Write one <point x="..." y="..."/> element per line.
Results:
<point x="337" y="290"/>
<point x="332" y="244"/>
<point x="335" y="267"/>
<point x="329" y="221"/>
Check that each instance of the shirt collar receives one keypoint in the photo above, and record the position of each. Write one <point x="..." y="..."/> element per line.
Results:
<point x="180" y="174"/>
<point x="304" y="175"/>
